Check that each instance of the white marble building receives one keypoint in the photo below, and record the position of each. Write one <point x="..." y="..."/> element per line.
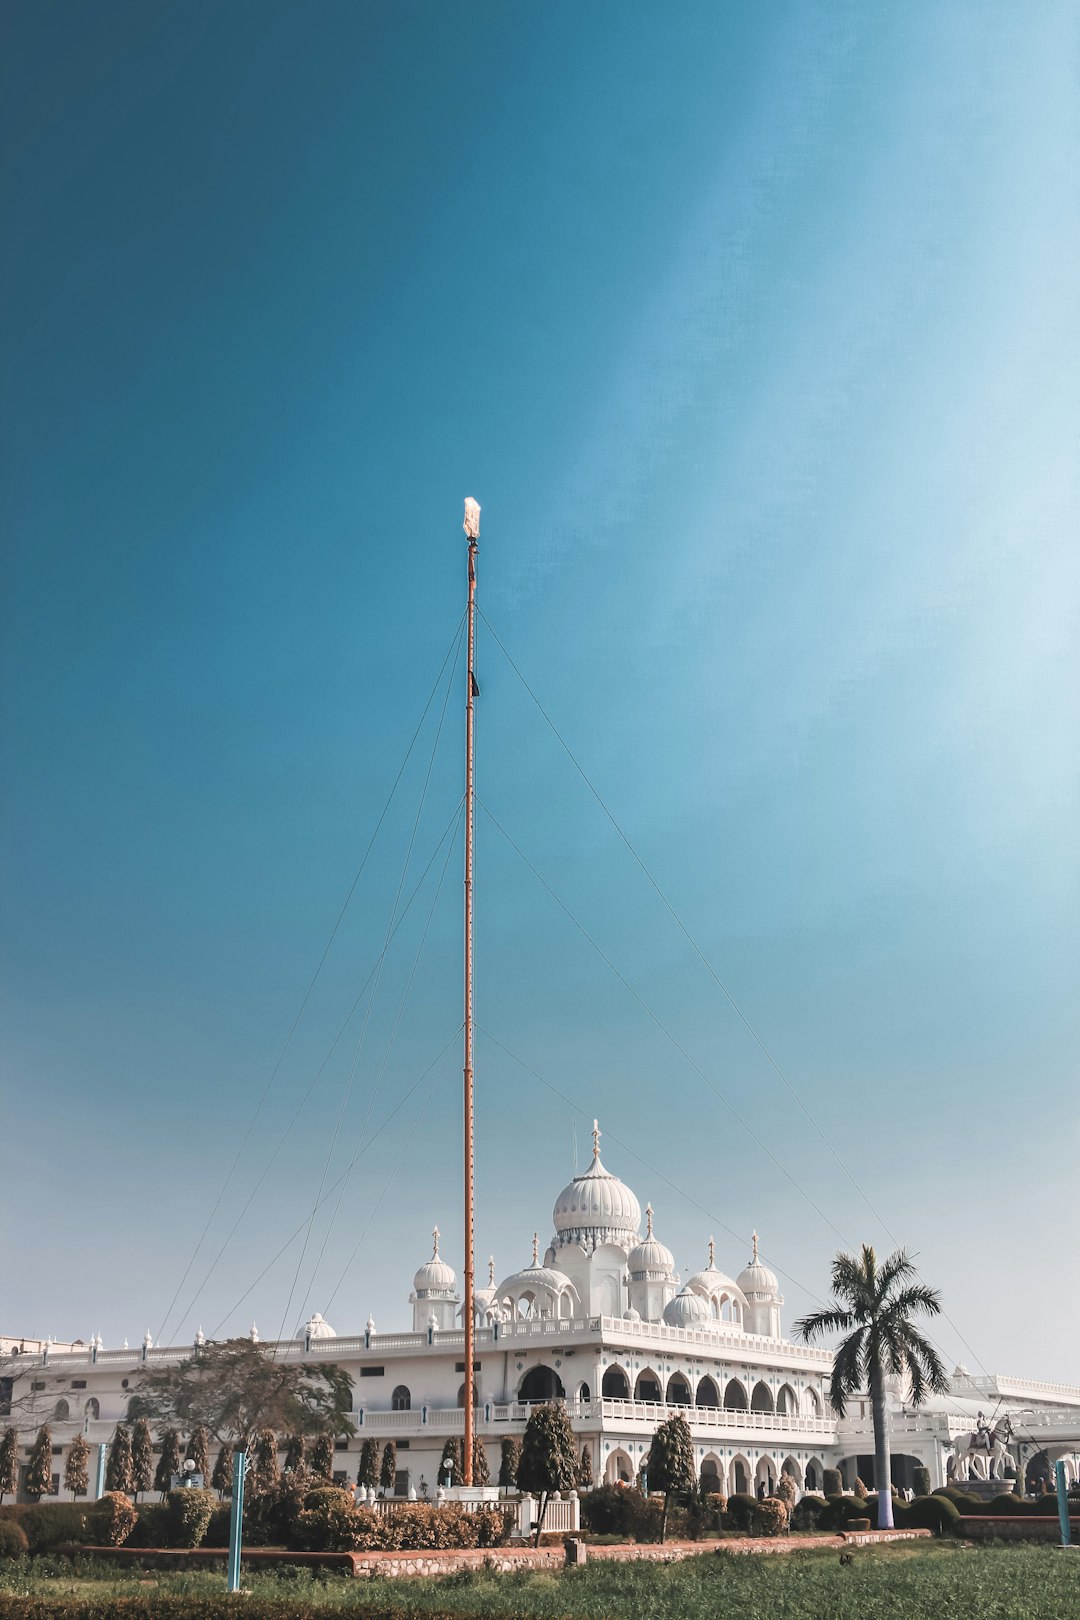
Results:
<point x="603" y="1322"/>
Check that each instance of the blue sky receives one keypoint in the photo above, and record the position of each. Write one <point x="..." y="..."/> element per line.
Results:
<point x="754" y="330"/>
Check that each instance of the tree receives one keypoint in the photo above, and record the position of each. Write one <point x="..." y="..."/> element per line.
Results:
<point x="9" y="1463"/>
<point x="322" y="1456"/>
<point x="388" y="1470"/>
<point x="236" y="1388"/>
<point x="368" y="1472"/>
<point x="294" y="1453"/>
<point x="77" y="1467"/>
<point x="548" y="1459"/>
<point x="451" y="1462"/>
<point x="221" y="1479"/>
<point x="38" y="1481"/>
<point x="142" y="1457"/>
<point x="508" y="1463"/>
<point x="168" y="1462"/>
<point x="118" y="1462"/>
<point x="481" y="1473"/>
<point x="670" y="1463"/>
<point x="199" y="1451"/>
<point x="265" y="1472"/>
<point x="874" y="1306"/>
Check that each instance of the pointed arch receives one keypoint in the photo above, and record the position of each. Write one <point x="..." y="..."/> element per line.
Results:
<point x="815" y="1474"/>
<point x="740" y="1476"/>
<point x="811" y="1402"/>
<point x="615" y="1385"/>
<point x="541" y="1384"/>
<point x="678" y="1391"/>
<point x="765" y="1474"/>
<point x="619" y="1469"/>
<point x="761" y="1400"/>
<point x="735" y="1396"/>
<point x="793" y="1470"/>
<point x="787" y="1402"/>
<point x="706" y="1393"/>
<point x="711" y="1475"/>
<point x="648" y="1387"/>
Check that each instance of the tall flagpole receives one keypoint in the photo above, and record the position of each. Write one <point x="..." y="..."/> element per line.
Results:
<point x="472" y="531"/>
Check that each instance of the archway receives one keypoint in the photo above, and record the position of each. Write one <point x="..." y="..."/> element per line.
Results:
<point x="93" y="1408"/>
<point x="787" y="1403"/>
<point x="678" y="1391"/>
<point x="815" y="1474"/>
<point x="707" y="1394"/>
<point x="615" y="1385"/>
<point x="740" y="1476"/>
<point x="711" y="1468"/>
<point x="735" y="1397"/>
<point x="619" y="1469"/>
<point x="765" y="1477"/>
<point x="811" y="1403"/>
<point x="61" y="1411"/>
<point x="401" y="1399"/>
<point x="541" y="1384"/>
<point x="761" y="1400"/>
<point x="793" y="1471"/>
<point x="648" y="1387"/>
<point x="584" y="1393"/>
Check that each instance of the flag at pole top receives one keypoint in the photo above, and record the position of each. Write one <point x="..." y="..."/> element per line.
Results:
<point x="472" y="518"/>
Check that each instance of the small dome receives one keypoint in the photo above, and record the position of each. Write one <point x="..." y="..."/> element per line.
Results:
<point x="650" y="1260"/>
<point x="542" y="1286"/>
<point x="435" y="1277"/>
<point x="712" y="1282"/>
<point x="687" y="1309"/>
<point x="757" y="1279"/>
<point x="315" y="1328"/>
<point x="597" y="1207"/>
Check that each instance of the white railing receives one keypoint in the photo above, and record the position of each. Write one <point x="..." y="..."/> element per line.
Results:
<point x="752" y="1346"/>
<point x="652" y="1413"/>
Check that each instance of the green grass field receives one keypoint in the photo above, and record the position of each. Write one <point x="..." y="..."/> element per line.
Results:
<point x="927" y="1582"/>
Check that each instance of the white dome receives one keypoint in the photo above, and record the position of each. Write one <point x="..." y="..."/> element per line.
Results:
<point x="758" y="1280"/>
<point x="687" y="1309"/>
<point x="650" y="1259"/>
<point x="712" y="1282"/>
<point x="435" y="1277"/>
<point x="543" y="1287"/>
<point x="597" y="1207"/>
<point x="315" y="1328"/>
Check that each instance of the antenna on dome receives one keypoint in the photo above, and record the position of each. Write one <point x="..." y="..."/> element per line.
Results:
<point x="472" y="534"/>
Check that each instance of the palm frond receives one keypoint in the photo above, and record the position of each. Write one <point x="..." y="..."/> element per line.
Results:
<point x="818" y="1323"/>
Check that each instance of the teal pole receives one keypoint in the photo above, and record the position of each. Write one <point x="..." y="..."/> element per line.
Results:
<point x="236" y="1518"/>
<point x="1063" y="1502"/>
<point x="99" y="1485"/>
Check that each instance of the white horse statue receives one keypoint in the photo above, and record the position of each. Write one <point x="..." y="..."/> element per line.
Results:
<point x="984" y="1450"/>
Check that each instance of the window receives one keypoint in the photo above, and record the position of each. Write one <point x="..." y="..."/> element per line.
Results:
<point x="6" y="1387"/>
<point x="93" y="1411"/>
<point x="61" y="1412"/>
<point x="341" y="1445"/>
<point x="401" y="1482"/>
<point x="373" y="1372"/>
<point x="459" y="1366"/>
<point x="78" y="1383"/>
<point x="401" y="1399"/>
<point x="55" y="1487"/>
<point x="38" y="1383"/>
<point x="341" y="1478"/>
<point x="403" y="1445"/>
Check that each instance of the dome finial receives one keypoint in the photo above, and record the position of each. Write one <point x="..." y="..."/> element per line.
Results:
<point x="596" y="1139"/>
<point x="491" y="1271"/>
<point x="648" y="1220"/>
<point x="536" y="1249"/>
<point x="754" y="1260"/>
<point x="712" y="1253"/>
<point x="435" y="1241"/>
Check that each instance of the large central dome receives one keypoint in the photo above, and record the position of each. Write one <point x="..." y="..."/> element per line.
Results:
<point x="597" y="1207"/>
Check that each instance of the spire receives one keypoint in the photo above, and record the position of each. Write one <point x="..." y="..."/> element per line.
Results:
<point x="753" y="1261"/>
<point x="595" y="1140"/>
<point x="536" y="1249"/>
<point x="648" y="1220"/>
<point x="712" y="1254"/>
<point x="435" y="1241"/>
<point x="491" y="1271"/>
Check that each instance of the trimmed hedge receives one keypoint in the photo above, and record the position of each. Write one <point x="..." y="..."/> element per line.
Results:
<point x="770" y="1516"/>
<point x="833" y="1482"/>
<point x="934" y="1513"/>
<point x="105" y="1523"/>
<point x="616" y="1510"/>
<point x="806" y="1514"/>
<point x="740" y="1511"/>
<point x="156" y="1606"/>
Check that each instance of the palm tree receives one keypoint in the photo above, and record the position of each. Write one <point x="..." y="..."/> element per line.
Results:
<point x="874" y="1305"/>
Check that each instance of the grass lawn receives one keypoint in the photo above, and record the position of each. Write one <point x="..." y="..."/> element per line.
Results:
<point x="924" y="1582"/>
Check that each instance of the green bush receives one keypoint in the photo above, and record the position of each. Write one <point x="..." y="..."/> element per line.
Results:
<point x="112" y="1519"/>
<point x="838" y="1513"/>
<point x="858" y="1524"/>
<point x="770" y="1516"/>
<point x="153" y="1526"/>
<point x="740" y="1511"/>
<point x="620" y="1511"/>
<point x="936" y="1513"/>
<point x="806" y="1513"/>
<point x="833" y="1484"/>
<point x="13" y="1541"/>
<point x="106" y="1523"/>
<point x="329" y="1521"/>
<point x="921" y="1480"/>
<point x="190" y="1509"/>
<point x="217" y="1533"/>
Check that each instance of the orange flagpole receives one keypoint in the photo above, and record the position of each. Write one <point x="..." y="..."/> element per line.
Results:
<point x="472" y="530"/>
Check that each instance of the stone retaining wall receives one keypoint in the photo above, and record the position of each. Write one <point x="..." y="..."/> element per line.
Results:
<point x="1017" y="1528"/>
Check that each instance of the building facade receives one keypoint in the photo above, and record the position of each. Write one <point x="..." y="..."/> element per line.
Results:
<point x="604" y="1323"/>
